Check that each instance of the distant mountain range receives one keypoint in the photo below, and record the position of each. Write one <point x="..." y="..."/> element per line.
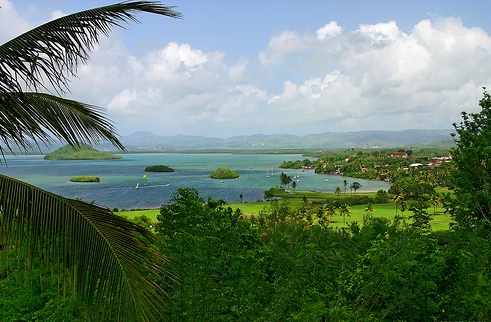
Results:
<point x="148" y="142"/>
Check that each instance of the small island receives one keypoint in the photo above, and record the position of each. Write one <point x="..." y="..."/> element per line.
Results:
<point x="85" y="179"/>
<point x="84" y="152"/>
<point x="158" y="168"/>
<point x="224" y="173"/>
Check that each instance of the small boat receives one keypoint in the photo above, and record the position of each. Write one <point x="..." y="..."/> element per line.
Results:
<point x="137" y="185"/>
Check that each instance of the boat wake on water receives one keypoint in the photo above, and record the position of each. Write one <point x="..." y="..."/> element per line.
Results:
<point x="152" y="186"/>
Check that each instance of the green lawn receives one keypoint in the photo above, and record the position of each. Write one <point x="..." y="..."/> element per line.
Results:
<point x="130" y="214"/>
<point x="440" y="220"/>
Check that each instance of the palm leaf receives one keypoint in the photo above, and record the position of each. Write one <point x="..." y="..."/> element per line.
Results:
<point x="108" y="257"/>
<point x="36" y="116"/>
<point x="46" y="57"/>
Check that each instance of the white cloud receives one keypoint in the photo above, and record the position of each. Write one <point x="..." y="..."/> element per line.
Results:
<point x="375" y="77"/>
<point x="282" y="46"/>
<point x="331" y="79"/>
<point x="119" y="104"/>
<point x="329" y="30"/>
<point x="390" y="79"/>
<point x="174" y="89"/>
<point x="381" y="32"/>
<point x="175" y="62"/>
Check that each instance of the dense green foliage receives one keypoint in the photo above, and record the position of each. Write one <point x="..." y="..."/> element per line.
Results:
<point x="296" y="164"/>
<point x="223" y="173"/>
<point x="287" y="264"/>
<point x="472" y="159"/>
<point x="84" y="152"/>
<point x="385" y="165"/>
<point x="85" y="179"/>
<point x="159" y="168"/>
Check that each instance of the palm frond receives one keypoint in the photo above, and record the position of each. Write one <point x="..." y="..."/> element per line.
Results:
<point x="31" y="117"/>
<point x="108" y="257"/>
<point x="53" y="50"/>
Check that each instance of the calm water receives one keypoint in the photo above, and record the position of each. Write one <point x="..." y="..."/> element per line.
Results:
<point x="119" y="177"/>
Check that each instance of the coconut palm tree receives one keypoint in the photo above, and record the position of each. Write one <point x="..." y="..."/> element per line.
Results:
<point x="435" y="200"/>
<point x="285" y="180"/>
<point x="344" y="210"/>
<point x="330" y="210"/>
<point x="337" y="191"/>
<point x="105" y="259"/>
<point x="398" y="196"/>
<point x="369" y="209"/>
<point x="345" y="184"/>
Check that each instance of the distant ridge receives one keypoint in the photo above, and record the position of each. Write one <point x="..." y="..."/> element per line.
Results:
<point x="144" y="141"/>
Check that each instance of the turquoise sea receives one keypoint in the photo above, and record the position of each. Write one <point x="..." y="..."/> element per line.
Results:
<point x="258" y="172"/>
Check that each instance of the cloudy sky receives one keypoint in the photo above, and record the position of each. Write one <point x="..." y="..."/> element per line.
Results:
<point x="268" y="66"/>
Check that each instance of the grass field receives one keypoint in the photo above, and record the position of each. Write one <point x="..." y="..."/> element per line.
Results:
<point x="388" y="210"/>
<point x="440" y="220"/>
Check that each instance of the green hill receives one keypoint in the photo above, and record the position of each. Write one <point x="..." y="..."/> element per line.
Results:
<point x="85" y="152"/>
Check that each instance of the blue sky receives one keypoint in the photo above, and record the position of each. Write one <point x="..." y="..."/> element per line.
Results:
<point x="244" y="67"/>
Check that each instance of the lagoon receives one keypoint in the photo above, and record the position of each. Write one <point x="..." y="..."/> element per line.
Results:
<point x="119" y="177"/>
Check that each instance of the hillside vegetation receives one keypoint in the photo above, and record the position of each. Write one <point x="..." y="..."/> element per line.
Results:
<point x="85" y="152"/>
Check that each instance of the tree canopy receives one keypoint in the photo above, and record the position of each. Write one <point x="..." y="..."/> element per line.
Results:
<point x="472" y="160"/>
